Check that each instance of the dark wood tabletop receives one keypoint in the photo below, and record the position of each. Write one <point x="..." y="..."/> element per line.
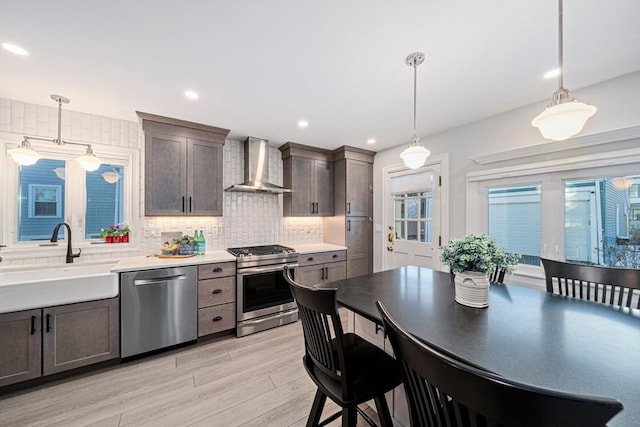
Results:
<point x="525" y="334"/>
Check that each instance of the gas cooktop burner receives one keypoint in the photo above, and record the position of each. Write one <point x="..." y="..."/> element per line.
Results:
<point x="261" y="250"/>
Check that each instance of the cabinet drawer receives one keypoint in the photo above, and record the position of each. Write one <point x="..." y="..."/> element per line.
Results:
<point x="216" y="319"/>
<point x="216" y="291"/>
<point x="211" y="271"/>
<point x="321" y="257"/>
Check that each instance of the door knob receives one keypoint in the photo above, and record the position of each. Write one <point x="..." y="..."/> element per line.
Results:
<point x="390" y="237"/>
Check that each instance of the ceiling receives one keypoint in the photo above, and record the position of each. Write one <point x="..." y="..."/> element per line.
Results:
<point x="260" y="66"/>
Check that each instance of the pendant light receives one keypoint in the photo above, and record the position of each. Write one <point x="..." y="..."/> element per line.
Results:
<point x="564" y="116"/>
<point x="26" y="156"/>
<point x="415" y="154"/>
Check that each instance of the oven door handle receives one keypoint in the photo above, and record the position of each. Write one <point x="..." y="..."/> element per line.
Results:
<point x="267" y="269"/>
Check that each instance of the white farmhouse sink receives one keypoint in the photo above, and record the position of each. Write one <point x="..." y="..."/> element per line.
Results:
<point x="56" y="285"/>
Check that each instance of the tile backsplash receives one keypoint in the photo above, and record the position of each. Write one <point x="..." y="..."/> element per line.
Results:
<point x="249" y="218"/>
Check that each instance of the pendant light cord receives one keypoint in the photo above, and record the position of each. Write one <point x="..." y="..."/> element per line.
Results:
<point x="560" y="49"/>
<point x="415" y="120"/>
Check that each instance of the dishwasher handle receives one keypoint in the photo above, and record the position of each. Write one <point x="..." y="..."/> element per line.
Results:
<point x="143" y="282"/>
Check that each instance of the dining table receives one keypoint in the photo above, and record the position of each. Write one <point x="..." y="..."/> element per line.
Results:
<point x="527" y="335"/>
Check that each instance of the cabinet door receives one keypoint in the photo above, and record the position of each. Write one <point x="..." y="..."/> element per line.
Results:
<point x="301" y="184"/>
<point x="360" y="244"/>
<point x="204" y="178"/>
<point x="79" y="334"/>
<point x="309" y="275"/>
<point x="20" y="346"/>
<point x="323" y="187"/>
<point x="335" y="271"/>
<point x="165" y="177"/>
<point x="359" y="188"/>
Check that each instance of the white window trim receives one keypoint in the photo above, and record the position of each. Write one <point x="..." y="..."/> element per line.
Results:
<point x="129" y="157"/>
<point x="476" y="215"/>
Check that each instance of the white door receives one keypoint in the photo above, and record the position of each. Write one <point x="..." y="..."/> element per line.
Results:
<point x="412" y="215"/>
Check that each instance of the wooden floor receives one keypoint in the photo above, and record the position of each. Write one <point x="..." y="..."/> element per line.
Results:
<point x="257" y="380"/>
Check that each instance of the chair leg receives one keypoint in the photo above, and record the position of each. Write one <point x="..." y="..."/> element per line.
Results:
<point x="349" y="417"/>
<point x="383" y="411"/>
<point x="316" y="409"/>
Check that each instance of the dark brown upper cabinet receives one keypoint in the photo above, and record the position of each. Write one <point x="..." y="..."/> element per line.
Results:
<point x="183" y="167"/>
<point x="309" y="172"/>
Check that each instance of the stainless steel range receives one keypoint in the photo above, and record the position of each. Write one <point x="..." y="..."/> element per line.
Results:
<point x="264" y="299"/>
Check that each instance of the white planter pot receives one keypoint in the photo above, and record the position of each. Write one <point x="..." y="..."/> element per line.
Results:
<point x="472" y="289"/>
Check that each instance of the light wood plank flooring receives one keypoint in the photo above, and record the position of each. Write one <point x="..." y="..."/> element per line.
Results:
<point x="257" y="380"/>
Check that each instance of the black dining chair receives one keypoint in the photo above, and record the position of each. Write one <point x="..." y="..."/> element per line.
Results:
<point x="614" y="286"/>
<point x="345" y="367"/>
<point x="497" y="275"/>
<point x="443" y="391"/>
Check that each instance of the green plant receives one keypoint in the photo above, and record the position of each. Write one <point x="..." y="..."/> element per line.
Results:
<point x="476" y="253"/>
<point x="184" y="240"/>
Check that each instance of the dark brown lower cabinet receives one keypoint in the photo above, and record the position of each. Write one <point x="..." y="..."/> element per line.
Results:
<point x="55" y="339"/>
<point x="321" y="267"/>
<point x="20" y="346"/>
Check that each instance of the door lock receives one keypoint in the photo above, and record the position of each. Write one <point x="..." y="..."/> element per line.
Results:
<point x="390" y="248"/>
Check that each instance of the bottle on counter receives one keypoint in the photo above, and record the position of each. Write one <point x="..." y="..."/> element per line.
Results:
<point x="203" y="242"/>
<point x="197" y="243"/>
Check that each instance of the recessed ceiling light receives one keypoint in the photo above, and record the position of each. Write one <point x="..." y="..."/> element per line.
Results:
<point x="191" y="94"/>
<point x="552" y="73"/>
<point x="17" y="50"/>
<point x="371" y="141"/>
<point x="303" y="123"/>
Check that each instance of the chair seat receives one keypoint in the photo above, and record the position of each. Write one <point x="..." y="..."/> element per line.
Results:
<point x="371" y="372"/>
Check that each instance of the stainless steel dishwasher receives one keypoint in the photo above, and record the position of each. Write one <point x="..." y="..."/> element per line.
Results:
<point x="158" y="309"/>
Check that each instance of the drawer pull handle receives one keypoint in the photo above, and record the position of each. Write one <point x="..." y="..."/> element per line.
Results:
<point x="335" y="256"/>
<point x="216" y="291"/>
<point x="48" y="328"/>
<point x="33" y="325"/>
<point x="217" y="318"/>
<point x="217" y="269"/>
<point x="310" y="258"/>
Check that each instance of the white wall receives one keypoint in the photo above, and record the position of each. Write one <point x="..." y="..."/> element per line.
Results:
<point x="248" y="218"/>
<point x="618" y="103"/>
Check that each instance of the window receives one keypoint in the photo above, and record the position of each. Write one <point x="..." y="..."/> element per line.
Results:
<point x="56" y="189"/>
<point x="413" y="203"/>
<point x="45" y="201"/>
<point x="412" y="217"/>
<point x="104" y="205"/>
<point x="41" y="195"/>
<point x="514" y="220"/>
<point x="580" y="210"/>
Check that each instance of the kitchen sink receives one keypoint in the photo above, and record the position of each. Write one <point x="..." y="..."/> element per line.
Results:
<point x="55" y="285"/>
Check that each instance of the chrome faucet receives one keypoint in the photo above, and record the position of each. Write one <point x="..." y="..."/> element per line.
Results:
<point x="54" y="238"/>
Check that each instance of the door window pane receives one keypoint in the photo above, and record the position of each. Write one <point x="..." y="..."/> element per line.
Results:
<point x="104" y="206"/>
<point x="411" y="211"/>
<point x="514" y="220"/>
<point x="41" y="196"/>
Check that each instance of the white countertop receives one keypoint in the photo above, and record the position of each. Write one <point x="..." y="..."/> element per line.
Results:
<point x="151" y="262"/>
<point x="317" y="247"/>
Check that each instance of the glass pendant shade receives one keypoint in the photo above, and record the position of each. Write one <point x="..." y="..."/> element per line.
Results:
<point x="89" y="161"/>
<point x="414" y="156"/>
<point x="111" y="177"/>
<point x="562" y="121"/>
<point x="24" y="154"/>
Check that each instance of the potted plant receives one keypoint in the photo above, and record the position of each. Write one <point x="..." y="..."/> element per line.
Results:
<point x="471" y="259"/>
<point x="185" y="244"/>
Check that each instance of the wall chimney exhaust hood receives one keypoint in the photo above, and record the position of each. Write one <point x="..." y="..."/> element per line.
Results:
<point x="256" y="169"/>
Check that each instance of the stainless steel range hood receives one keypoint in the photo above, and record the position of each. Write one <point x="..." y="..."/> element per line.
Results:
<point x="256" y="169"/>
